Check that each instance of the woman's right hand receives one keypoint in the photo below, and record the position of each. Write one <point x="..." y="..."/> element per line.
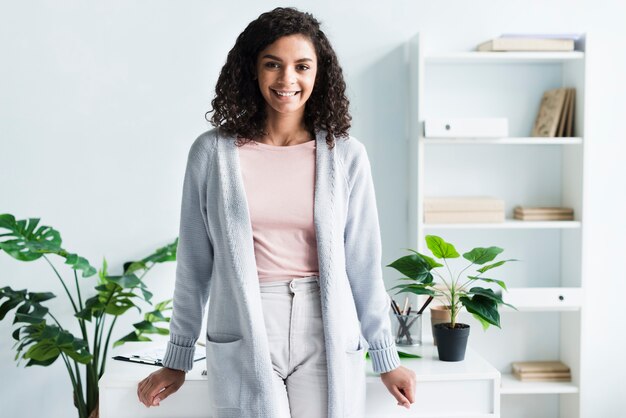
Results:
<point x="159" y="385"/>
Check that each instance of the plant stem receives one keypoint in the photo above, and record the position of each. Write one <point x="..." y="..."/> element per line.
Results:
<point x="79" y="397"/>
<point x="146" y="272"/>
<point x="106" y="347"/>
<point x="63" y="283"/>
<point x="100" y="331"/>
<point x="55" y="320"/>
<point x="79" y="381"/>
<point x="96" y="343"/>
<point x="464" y="270"/>
<point x="80" y="302"/>
<point x="449" y="271"/>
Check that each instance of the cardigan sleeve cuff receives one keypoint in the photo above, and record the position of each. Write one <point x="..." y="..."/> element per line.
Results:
<point x="179" y="353"/>
<point x="385" y="359"/>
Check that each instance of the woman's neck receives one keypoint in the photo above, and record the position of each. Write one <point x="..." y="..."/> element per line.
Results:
<point x="285" y="130"/>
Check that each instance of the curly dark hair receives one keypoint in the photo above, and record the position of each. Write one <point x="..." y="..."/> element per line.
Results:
<point x="239" y="107"/>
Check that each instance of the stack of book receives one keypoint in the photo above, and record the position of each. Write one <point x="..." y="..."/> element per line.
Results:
<point x="530" y="42"/>
<point x="527" y="213"/>
<point x="538" y="371"/>
<point x="556" y="114"/>
<point x="463" y="209"/>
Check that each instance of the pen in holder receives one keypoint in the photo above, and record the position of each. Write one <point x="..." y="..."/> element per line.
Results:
<point x="407" y="329"/>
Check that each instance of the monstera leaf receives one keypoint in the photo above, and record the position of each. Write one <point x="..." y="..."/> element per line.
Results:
<point x="29" y="243"/>
<point x="46" y="343"/>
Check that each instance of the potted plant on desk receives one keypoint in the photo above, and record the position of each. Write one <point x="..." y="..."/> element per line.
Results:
<point x="482" y="303"/>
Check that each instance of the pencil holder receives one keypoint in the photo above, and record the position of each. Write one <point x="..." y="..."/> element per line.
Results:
<point x="407" y="329"/>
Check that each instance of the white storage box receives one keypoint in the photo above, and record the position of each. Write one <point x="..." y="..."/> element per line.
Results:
<point x="544" y="298"/>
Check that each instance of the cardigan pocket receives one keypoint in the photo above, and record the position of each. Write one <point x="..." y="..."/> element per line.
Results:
<point x="223" y="356"/>
<point x="354" y="387"/>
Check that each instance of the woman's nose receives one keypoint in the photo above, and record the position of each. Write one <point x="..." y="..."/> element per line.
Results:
<point x="288" y="76"/>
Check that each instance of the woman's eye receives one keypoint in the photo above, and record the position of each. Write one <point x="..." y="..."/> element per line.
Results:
<point x="271" y="65"/>
<point x="303" y="67"/>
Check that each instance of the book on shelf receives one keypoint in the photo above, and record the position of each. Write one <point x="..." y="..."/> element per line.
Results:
<point x="541" y="371"/>
<point x="539" y="366"/>
<point x="466" y="209"/>
<point x="462" y="204"/>
<point x="535" y="210"/>
<point x="463" y="217"/>
<point x="525" y="44"/>
<point x="555" y="117"/>
<point x="526" y="213"/>
<point x="543" y="377"/>
<point x="572" y="36"/>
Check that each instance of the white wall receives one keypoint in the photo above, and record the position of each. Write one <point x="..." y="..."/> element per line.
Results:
<point x="99" y="104"/>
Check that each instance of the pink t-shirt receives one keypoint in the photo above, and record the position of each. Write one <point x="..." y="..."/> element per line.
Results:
<point x="280" y="183"/>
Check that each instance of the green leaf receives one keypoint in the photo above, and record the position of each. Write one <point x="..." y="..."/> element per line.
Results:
<point x="482" y="306"/>
<point x="47" y="342"/>
<point x="402" y="354"/>
<point x="440" y="248"/>
<point x="484" y="323"/>
<point x="413" y="266"/>
<point x="494" y="265"/>
<point x="164" y="305"/>
<point x="163" y="254"/>
<point x="415" y="289"/>
<point x="481" y="255"/>
<point x="79" y="263"/>
<point x="28" y="244"/>
<point x="484" y="279"/>
<point x="132" y="337"/>
<point x="42" y="351"/>
<point x="431" y="261"/>
<point x="135" y="266"/>
<point x="7" y="306"/>
<point x="488" y="293"/>
<point x="40" y="297"/>
<point x="163" y="331"/>
<point x="147" y="295"/>
<point x="145" y="326"/>
<point x="31" y="243"/>
<point x="127" y="281"/>
<point x="33" y="362"/>
<point x="119" y="306"/>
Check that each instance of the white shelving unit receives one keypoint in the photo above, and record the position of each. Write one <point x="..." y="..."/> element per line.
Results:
<point x="547" y="284"/>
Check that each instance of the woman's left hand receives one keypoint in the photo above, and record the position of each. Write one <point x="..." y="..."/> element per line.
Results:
<point x="401" y="383"/>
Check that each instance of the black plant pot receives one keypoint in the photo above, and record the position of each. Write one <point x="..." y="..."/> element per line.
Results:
<point x="451" y="342"/>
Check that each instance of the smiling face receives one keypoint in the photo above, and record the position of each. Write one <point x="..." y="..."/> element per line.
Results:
<point x="286" y="72"/>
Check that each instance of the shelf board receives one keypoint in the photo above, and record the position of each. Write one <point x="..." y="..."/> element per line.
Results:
<point x="510" y="385"/>
<point x="502" y="141"/>
<point x="508" y="224"/>
<point x="543" y="308"/>
<point x="475" y="57"/>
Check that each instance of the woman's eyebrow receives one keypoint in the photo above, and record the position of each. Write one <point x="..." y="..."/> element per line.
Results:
<point x="278" y="59"/>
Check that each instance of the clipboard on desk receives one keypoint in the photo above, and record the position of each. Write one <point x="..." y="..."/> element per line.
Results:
<point x="154" y="357"/>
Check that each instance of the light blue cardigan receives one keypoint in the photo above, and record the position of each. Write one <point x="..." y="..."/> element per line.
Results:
<point x="216" y="257"/>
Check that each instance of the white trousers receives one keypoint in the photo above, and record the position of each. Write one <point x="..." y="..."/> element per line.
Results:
<point x="293" y="319"/>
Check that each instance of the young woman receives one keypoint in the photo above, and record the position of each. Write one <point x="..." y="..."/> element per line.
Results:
<point x="279" y="227"/>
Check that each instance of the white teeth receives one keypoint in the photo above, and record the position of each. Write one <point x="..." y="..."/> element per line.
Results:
<point x="286" y="94"/>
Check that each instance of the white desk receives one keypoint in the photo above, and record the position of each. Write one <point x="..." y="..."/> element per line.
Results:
<point x="470" y="389"/>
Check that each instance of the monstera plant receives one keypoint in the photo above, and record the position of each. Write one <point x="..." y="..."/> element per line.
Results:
<point x="41" y="339"/>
